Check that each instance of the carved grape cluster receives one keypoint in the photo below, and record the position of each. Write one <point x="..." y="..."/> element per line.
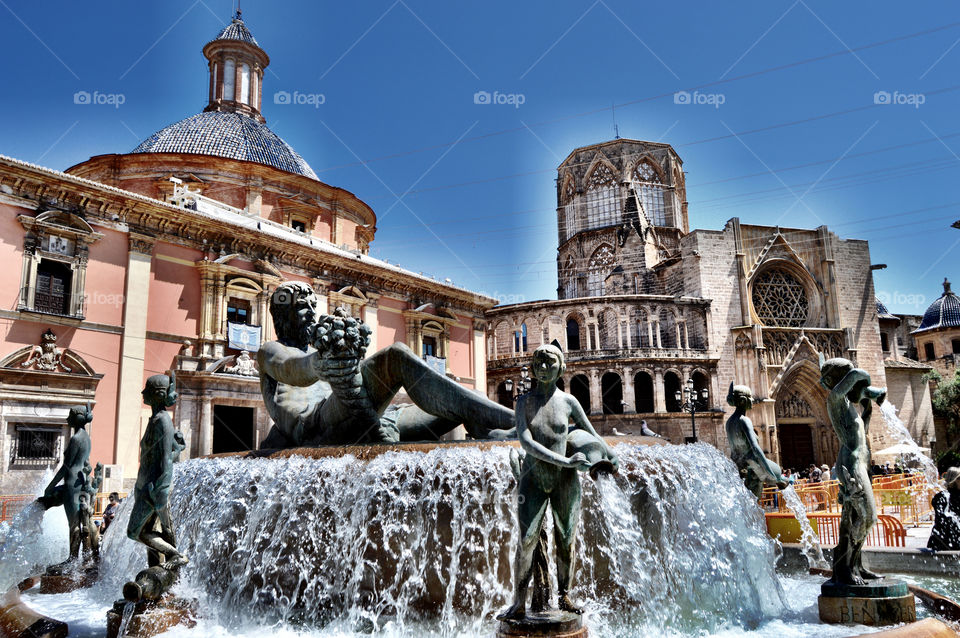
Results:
<point x="342" y="336"/>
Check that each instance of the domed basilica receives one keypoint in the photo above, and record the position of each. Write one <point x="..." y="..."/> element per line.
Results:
<point x="165" y="257"/>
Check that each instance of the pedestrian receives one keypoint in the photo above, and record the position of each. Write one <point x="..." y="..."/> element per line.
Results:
<point x="945" y="534"/>
<point x="110" y="511"/>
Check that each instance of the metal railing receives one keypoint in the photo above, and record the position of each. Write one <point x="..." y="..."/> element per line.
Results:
<point x="906" y="497"/>
<point x="888" y="532"/>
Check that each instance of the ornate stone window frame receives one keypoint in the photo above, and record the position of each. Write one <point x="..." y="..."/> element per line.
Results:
<point x="295" y="210"/>
<point x="421" y="323"/>
<point x="220" y="281"/>
<point x="351" y="298"/>
<point x="36" y="247"/>
<point x="649" y="186"/>
<point x="802" y="276"/>
<point x="602" y="195"/>
<point x="37" y="392"/>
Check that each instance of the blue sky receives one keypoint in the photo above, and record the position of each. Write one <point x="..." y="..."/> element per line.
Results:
<point x="788" y="129"/>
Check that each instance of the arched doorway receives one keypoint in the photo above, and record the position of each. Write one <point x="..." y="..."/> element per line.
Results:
<point x="643" y="392"/>
<point x="611" y="390"/>
<point x="573" y="333"/>
<point x="671" y="385"/>
<point x="804" y="433"/>
<point x="580" y="389"/>
<point x="504" y="396"/>
<point x="795" y="425"/>
<point x="701" y="382"/>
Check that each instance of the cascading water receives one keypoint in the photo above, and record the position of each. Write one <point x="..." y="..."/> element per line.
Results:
<point x="899" y="433"/>
<point x="809" y="541"/>
<point x="33" y="540"/>
<point x="422" y="543"/>
<point x="125" y="619"/>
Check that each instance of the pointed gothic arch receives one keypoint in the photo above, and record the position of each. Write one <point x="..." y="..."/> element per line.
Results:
<point x="601" y="261"/>
<point x="602" y="196"/>
<point x="647" y="180"/>
<point x="804" y="433"/>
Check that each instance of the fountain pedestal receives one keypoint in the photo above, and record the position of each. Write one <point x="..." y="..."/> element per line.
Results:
<point x="61" y="579"/>
<point x="152" y="617"/>
<point x="883" y="602"/>
<point x="555" y="624"/>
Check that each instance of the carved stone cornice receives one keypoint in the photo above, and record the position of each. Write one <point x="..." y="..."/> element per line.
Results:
<point x="159" y="221"/>
<point x="140" y="243"/>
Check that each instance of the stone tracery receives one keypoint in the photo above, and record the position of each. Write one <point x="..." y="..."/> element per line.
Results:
<point x="780" y="299"/>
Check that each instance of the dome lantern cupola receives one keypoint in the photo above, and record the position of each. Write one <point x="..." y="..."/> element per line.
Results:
<point x="236" y="63"/>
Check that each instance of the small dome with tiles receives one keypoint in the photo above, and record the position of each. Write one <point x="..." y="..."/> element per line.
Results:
<point x="942" y="313"/>
<point x="237" y="30"/>
<point x="229" y="135"/>
<point x="231" y="125"/>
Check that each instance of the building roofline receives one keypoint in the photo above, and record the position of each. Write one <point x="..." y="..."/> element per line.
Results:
<point x="604" y="299"/>
<point x="297" y="240"/>
<point x="618" y="140"/>
<point x="338" y="191"/>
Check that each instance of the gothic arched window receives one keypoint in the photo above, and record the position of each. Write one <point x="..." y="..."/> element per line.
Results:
<point x="600" y="263"/>
<point x="569" y="208"/>
<point x="649" y="189"/>
<point x="569" y="277"/>
<point x="780" y="299"/>
<point x="603" y="197"/>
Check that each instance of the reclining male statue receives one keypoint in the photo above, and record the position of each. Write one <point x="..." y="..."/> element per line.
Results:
<point x="319" y="389"/>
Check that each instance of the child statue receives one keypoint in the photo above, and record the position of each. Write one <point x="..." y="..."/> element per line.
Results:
<point x="549" y="477"/>
<point x="160" y="446"/>
<point x="73" y="472"/>
<point x="89" y="534"/>
<point x="756" y="470"/>
<point x="850" y="387"/>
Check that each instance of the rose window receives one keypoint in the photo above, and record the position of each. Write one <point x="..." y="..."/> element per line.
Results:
<point x="779" y="299"/>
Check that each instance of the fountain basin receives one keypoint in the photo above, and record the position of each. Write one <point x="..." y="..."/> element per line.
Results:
<point x="425" y="533"/>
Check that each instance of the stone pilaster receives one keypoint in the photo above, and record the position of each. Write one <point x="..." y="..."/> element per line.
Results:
<point x="596" y="398"/>
<point x="479" y="361"/>
<point x="132" y="350"/>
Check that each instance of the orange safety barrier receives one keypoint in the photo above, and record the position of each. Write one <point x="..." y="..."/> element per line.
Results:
<point x="911" y="504"/>
<point x="888" y="532"/>
<point x="770" y="499"/>
<point x="12" y="505"/>
<point x="905" y="496"/>
<point x="818" y="499"/>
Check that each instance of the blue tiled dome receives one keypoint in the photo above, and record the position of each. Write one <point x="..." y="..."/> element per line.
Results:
<point x="942" y="313"/>
<point x="229" y="135"/>
<point x="237" y="30"/>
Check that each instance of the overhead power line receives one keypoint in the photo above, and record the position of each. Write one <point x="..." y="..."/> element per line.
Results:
<point x="659" y="96"/>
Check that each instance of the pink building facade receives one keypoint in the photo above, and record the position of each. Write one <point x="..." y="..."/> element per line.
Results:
<point x="164" y="258"/>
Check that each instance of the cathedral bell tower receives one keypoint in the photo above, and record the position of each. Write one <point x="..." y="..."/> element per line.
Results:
<point x="236" y="64"/>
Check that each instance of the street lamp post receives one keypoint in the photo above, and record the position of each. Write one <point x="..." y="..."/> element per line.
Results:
<point x="523" y="384"/>
<point x="688" y="399"/>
